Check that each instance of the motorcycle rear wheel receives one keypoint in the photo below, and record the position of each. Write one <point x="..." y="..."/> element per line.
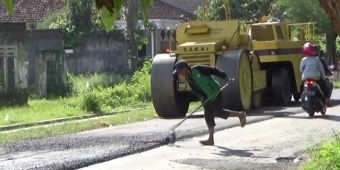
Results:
<point x="324" y="109"/>
<point x="311" y="113"/>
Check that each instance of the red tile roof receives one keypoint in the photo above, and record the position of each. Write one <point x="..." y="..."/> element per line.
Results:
<point x="30" y="10"/>
<point x="172" y="9"/>
<point x="186" y="5"/>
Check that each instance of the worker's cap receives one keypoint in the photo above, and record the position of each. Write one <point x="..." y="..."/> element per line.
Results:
<point x="179" y="65"/>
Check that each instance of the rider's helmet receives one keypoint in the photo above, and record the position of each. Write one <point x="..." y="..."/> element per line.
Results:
<point x="308" y="49"/>
<point x="317" y="49"/>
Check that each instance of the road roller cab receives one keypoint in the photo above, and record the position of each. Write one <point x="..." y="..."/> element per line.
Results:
<point x="279" y="48"/>
<point x="263" y="59"/>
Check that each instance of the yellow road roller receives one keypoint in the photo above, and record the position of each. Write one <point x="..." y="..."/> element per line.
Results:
<point x="263" y="58"/>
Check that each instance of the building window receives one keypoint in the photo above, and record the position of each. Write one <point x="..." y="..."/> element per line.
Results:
<point x="7" y="67"/>
<point x="2" y="73"/>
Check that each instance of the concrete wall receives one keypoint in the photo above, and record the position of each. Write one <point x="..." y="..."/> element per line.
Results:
<point x="99" y="52"/>
<point x="12" y="37"/>
<point x="42" y="47"/>
<point x="107" y="52"/>
<point x="29" y="64"/>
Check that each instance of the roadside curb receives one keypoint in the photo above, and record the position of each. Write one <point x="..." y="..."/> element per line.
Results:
<point x="52" y="121"/>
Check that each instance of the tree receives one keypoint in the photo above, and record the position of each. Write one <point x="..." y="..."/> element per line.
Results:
<point x="332" y="8"/>
<point x="131" y="24"/>
<point x="252" y="11"/>
<point x="212" y="11"/>
<point x="80" y="12"/>
<point x="111" y="9"/>
<point x="74" y="20"/>
<point x="305" y="11"/>
<point x="246" y="10"/>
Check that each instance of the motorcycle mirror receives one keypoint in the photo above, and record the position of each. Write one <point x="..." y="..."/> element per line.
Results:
<point x="332" y="67"/>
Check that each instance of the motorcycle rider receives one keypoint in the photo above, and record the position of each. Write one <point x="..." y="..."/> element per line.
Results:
<point x="311" y="67"/>
<point x="319" y="53"/>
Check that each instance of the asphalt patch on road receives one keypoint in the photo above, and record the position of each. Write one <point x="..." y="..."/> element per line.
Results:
<point x="76" y="151"/>
<point x="232" y="164"/>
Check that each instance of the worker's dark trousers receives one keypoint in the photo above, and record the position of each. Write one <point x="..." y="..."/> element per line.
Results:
<point x="212" y="108"/>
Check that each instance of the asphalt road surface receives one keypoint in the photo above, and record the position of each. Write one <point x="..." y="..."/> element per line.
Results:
<point x="273" y="139"/>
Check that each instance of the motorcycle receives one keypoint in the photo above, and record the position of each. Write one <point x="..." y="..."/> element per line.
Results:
<point x="312" y="98"/>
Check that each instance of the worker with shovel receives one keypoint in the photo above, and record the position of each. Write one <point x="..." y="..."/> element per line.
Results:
<point x="208" y="90"/>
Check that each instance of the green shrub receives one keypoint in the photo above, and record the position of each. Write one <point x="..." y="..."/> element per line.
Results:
<point x="104" y="90"/>
<point x="326" y="157"/>
<point x="85" y="82"/>
<point x="322" y="41"/>
<point x="14" y="97"/>
<point x="141" y="81"/>
<point x="133" y="92"/>
<point x="91" y="102"/>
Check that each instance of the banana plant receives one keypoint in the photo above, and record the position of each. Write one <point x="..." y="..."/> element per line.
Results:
<point x="9" y="5"/>
<point x="110" y="10"/>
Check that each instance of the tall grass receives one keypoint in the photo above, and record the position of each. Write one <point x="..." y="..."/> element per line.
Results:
<point x="111" y="91"/>
<point x="326" y="157"/>
<point x="84" y="82"/>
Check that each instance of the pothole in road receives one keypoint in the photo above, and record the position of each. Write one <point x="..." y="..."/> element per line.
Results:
<point x="294" y="159"/>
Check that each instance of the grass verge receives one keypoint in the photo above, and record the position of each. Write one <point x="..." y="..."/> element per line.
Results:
<point x="337" y="84"/>
<point x="77" y="126"/>
<point x="326" y="156"/>
<point x="83" y="125"/>
<point x="40" y="109"/>
<point x="44" y="109"/>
